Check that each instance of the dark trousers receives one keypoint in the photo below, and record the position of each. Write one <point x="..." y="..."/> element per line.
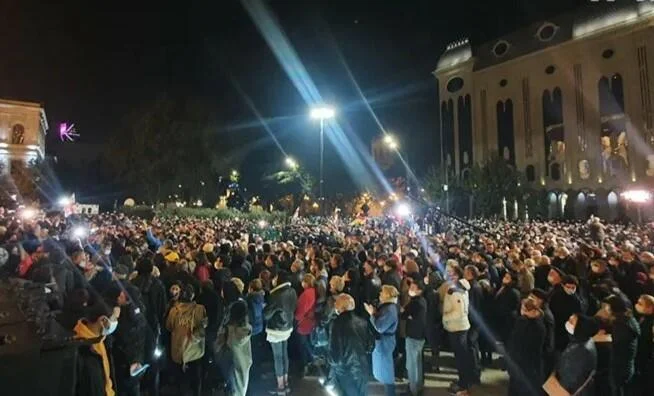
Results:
<point x="350" y="385"/>
<point x="306" y="350"/>
<point x="259" y="351"/>
<point x="190" y="377"/>
<point x="434" y="339"/>
<point x="473" y="343"/>
<point x="462" y="358"/>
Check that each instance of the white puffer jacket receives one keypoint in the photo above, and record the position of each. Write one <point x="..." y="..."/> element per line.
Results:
<point x="455" y="308"/>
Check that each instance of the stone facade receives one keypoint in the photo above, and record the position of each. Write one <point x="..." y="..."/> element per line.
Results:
<point x="23" y="127"/>
<point x="567" y="101"/>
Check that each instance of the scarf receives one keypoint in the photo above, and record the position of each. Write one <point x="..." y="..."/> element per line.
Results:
<point x="83" y="332"/>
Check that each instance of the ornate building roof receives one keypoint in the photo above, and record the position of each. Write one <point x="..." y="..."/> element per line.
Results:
<point x="593" y="19"/>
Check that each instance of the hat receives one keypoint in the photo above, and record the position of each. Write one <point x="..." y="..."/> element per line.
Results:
<point x="586" y="327"/>
<point x="540" y="294"/>
<point x="208" y="248"/>
<point x="172" y="257"/>
<point x="617" y="304"/>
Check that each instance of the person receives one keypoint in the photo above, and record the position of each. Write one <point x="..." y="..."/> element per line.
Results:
<point x="525" y="351"/>
<point x="539" y="297"/>
<point x="187" y="321"/>
<point x="128" y="347"/>
<point x="415" y="313"/>
<point x="350" y="342"/>
<point x="278" y="314"/>
<point x="625" y="333"/>
<point x="563" y="302"/>
<point x="390" y="276"/>
<point x="457" y="324"/>
<point x="434" y="321"/>
<point x="256" y="301"/>
<point x="645" y="355"/>
<point x="385" y="322"/>
<point x="476" y="297"/>
<point x="306" y="320"/>
<point x="603" y="381"/>
<point x="507" y="306"/>
<point x="575" y="368"/>
<point x="93" y="368"/>
<point x="238" y="341"/>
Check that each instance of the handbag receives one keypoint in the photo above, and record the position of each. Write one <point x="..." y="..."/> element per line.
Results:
<point x="553" y="387"/>
<point x="319" y="337"/>
<point x="194" y="342"/>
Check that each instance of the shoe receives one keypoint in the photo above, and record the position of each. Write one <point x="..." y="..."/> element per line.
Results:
<point x="455" y="388"/>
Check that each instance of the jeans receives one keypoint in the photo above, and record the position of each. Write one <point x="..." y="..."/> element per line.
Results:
<point x="462" y="358"/>
<point x="414" y="364"/>
<point x="306" y="350"/>
<point x="280" y="357"/>
<point x="473" y="344"/>
<point x="352" y="385"/>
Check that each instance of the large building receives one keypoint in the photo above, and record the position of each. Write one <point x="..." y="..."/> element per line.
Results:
<point x="567" y="101"/>
<point x="23" y="126"/>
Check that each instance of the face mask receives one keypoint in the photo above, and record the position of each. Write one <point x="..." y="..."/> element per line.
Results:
<point x="569" y="291"/>
<point x="412" y="293"/>
<point x="107" y="252"/>
<point x="113" y="324"/>
<point x="569" y="328"/>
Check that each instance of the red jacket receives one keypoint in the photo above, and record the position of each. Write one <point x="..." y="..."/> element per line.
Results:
<point x="304" y="312"/>
<point x="202" y="273"/>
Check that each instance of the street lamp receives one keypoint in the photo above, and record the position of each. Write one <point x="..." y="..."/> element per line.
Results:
<point x="291" y="163"/>
<point x="322" y="113"/>
<point x="390" y="141"/>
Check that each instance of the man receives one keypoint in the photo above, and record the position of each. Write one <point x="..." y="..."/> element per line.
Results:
<point x="390" y="276"/>
<point x="349" y="345"/>
<point x="645" y="355"/>
<point x="457" y="324"/>
<point x="563" y="302"/>
<point x="539" y="297"/>
<point x="415" y="314"/>
<point x="476" y="296"/>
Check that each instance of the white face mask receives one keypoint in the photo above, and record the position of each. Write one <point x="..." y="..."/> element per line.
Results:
<point x="107" y="252"/>
<point x="113" y="324"/>
<point x="569" y="291"/>
<point x="569" y="328"/>
<point x="412" y="293"/>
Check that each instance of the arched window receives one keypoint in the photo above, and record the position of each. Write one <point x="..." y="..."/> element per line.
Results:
<point x="555" y="171"/>
<point x="554" y="133"/>
<point x="530" y="172"/>
<point x="17" y="134"/>
<point x="464" y="114"/>
<point x="505" y="131"/>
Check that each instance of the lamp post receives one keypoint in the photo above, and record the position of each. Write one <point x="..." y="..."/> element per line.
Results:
<point x="391" y="143"/>
<point x="322" y="113"/>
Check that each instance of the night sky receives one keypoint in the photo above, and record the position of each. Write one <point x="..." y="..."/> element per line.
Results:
<point x="92" y="65"/>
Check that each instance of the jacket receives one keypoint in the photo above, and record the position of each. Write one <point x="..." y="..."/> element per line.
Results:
<point x="455" y="308"/>
<point x="153" y="295"/>
<point x="577" y="362"/>
<point x="186" y="322"/>
<point x="391" y="278"/>
<point x="280" y="310"/>
<point x="350" y="342"/>
<point x="625" y="344"/>
<point x="385" y="323"/>
<point x="305" y="311"/>
<point x="525" y="349"/>
<point x="645" y="355"/>
<point x="562" y="306"/>
<point x="415" y="314"/>
<point x="255" y="311"/>
<point x="129" y="339"/>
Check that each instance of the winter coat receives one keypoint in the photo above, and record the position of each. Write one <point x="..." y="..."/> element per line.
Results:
<point x="562" y="306"/>
<point x="371" y="286"/>
<point x="214" y="305"/>
<point x="305" y="311"/>
<point x="540" y="277"/>
<point x="625" y="345"/>
<point x="415" y="314"/>
<point x="645" y="355"/>
<point x="255" y="311"/>
<point x="153" y="295"/>
<point x="93" y="365"/>
<point x="186" y="322"/>
<point x="238" y="341"/>
<point x="385" y="323"/>
<point x="475" y="297"/>
<point x="603" y="382"/>
<point x="507" y="304"/>
<point x="391" y="278"/>
<point x="129" y="340"/>
<point x="456" y="307"/>
<point x="280" y="310"/>
<point x="434" y="320"/>
<point x="350" y="342"/>
<point x="525" y="349"/>
<point x="577" y="362"/>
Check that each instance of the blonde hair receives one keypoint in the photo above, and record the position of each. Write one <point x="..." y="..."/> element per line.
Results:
<point x="309" y="279"/>
<point x="338" y="282"/>
<point x="391" y="292"/>
<point x="239" y="284"/>
<point x="256" y="284"/>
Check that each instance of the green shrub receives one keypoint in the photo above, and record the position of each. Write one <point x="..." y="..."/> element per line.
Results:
<point x="254" y="214"/>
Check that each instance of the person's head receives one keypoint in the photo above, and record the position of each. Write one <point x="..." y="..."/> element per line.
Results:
<point x="336" y="261"/>
<point x="175" y="290"/>
<point x="581" y="327"/>
<point x="454" y="272"/>
<point x="628" y="254"/>
<point x="562" y="252"/>
<point x="617" y="306"/>
<point x="598" y="266"/>
<point x="416" y="288"/>
<point x="530" y="309"/>
<point x="390" y="265"/>
<point x="78" y="257"/>
<point x="570" y="284"/>
<point x="539" y="297"/>
<point x="554" y="277"/>
<point x="645" y="305"/>
<point x="255" y="286"/>
<point x="230" y="292"/>
<point x="317" y="266"/>
<point x="239" y="284"/>
<point x="344" y="303"/>
<point x="470" y="272"/>
<point x="222" y="261"/>
<point x="271" y="261"/>
<point x="238" y="314"/>
<point x="280" y="278"/>
<point x="411" y="267"/>
<point x="98" y="319"/>
<point x="187" y="294"/>
<point x="509" y="279"/>
<point x="297" y="266"/>
<point x="308" y="281"/>
<point x="388" y="294"/>
<point x="336" y="284"/>
<point x="368" y="268"/>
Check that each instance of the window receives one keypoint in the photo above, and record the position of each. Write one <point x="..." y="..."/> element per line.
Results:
<point x="555" y="171"/>
<point x="550" y="69"/>
<point x="501" y="48"/>
<point x="503" y="82"/>
<point x="455" y="84"/>
<point x="530" y="173"/>
<point x="607" y="54"/>
<point x="546" y="32"/>
<point x="17" y="134"/>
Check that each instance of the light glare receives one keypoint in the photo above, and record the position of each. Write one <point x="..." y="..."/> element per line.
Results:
<point x="403" y="209"/>
<point x="637" y="196"/>
<point x="322" y="113"/>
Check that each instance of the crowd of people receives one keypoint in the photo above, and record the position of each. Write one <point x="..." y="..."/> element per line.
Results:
<point x="200" y="305"/>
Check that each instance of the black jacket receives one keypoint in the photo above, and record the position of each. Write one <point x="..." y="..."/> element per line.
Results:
<point x="415" y="314"/>
<point x="475" y="297"/>
<point x="645" y="355"/>
<point x="625" y="344"/>
<point x="540" y="277"/>
<point x="350" y="342"/>
<point x="391" y="278"/>
<point x="280" y="310"/>
<point x="526" y="363"/>
<point x="371" y="286"/>
<point x="562" y="306"/>
<point x="575" y="366"/>
<point x="154" y="298"/>
<point x="129" y="339"/>
<point x="90" y="374"/>
<point x="507" y="305"/>
<point x="434" y="318"/>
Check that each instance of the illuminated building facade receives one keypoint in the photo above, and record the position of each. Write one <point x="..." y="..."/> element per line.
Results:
<point x="23" y="126"/>
<point x="567" y="101"/>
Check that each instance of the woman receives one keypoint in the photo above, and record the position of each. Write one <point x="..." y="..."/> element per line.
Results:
<point x="305" y="318"/>
<point x="575" y="368"/>
<point x="186" y="321"/>
<point x="385" y="320"/>
<point x="238" y="333"/>
<point x="278" y="315"/>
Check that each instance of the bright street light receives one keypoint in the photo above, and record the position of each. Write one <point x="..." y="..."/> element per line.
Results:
<point x="323" y="113"/>
<point x="403" y="209"/>
<point x="80" y="232"/>
<point x="234" y="172"/>
<point x="291" y="163"/>
<point x="64" y="201"/>
<point x="637" y="196"/>
<point x="390" y="141"/>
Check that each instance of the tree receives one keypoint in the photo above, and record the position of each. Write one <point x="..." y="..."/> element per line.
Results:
<point x="304" y="183"/>
<point x="29" y="182"/>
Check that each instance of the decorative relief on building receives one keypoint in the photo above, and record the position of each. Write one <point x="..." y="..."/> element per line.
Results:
<point x="484" y="123"/>
<point x="580" y="112"/>
<point x="554" y="133"/>
<point x="645" y="95"/>
<point x="613" y="135"/>
<point x="526" y="105"/>
<point x="464" y="113"/>
<point x="505" y="131"/>
<point x="447" y="115"/>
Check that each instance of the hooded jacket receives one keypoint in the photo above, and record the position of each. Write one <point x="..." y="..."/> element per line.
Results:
<point x="455" y="307"/>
